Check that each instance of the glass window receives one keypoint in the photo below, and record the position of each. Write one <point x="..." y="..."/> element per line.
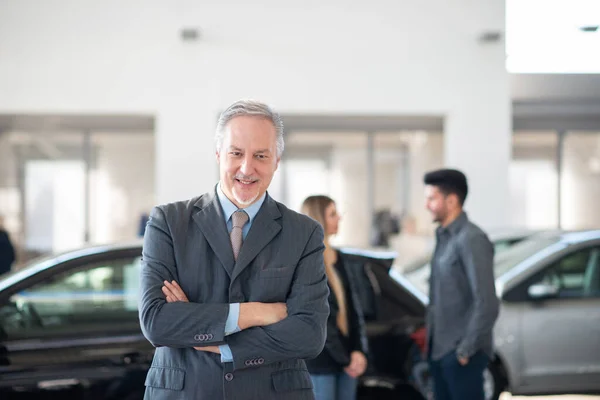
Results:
<point x="580" y="188"/>
<point x="44" y="192"/>
<point x="401" y="161"/>
<point x="575" y="275"/>
<point x="333" y="164"/>
<point x="533" y="180"/>
<point x="98" y="298"/>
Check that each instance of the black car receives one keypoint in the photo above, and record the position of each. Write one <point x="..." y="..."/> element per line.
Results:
<point x="69" y="328"/>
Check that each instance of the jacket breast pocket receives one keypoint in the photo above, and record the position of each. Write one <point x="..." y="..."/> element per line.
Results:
<point x="291" y="379"/>
<point x="165" y="378"/>
<point x="281" y="272"/>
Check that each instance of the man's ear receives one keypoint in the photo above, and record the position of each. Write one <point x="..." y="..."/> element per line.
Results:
<point x="453" y="200"/>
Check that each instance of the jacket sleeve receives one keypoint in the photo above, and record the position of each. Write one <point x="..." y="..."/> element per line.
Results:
<point x="172" y="324"/>
<point x="333" y="342"/>
<point x="303" y="333"/>
<point x="360" y="341"/>
<point x="477" y="255"/>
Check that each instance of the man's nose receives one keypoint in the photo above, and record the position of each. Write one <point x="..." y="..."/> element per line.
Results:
<point x="247" y="166"/>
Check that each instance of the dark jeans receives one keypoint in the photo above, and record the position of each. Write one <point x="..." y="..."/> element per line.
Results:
<point x="338" y="386"/>
<point x="452" y="381"/>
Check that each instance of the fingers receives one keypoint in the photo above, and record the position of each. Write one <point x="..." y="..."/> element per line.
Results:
<point x="210" y="349"/>
<point x="175" y="291"/>
<point x="169" y="296"/>
<point x="351" y="372"/>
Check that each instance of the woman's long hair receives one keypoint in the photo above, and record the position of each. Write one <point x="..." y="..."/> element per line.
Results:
<point x="315" y="207"/>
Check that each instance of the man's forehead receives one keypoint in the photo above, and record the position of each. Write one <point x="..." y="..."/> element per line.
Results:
<point x="432" y="189"/>
<point x="241" y="138"/>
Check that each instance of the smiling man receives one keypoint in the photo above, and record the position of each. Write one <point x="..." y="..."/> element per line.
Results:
<point x="233" y="286"/>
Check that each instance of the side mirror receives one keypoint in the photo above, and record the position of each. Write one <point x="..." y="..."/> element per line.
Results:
<point x="541" y="291"/>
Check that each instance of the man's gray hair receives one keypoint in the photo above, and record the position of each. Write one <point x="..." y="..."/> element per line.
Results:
<point x="250" y="108"/>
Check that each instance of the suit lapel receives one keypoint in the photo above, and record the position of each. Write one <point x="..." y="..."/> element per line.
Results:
<point x="263" y="230"/>
<point x="211" y="221"/>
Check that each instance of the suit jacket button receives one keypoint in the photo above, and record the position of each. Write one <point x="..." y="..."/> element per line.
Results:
<point x="198" y="338"/>
<point x="261" y="361"/>
<point x="248" y="363"/>
<point x="229" y="377"/>
<point x="210" y="336"/>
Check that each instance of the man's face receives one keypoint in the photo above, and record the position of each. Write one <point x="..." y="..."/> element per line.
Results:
<point x="436" y="202"/>
<point x="247" y="159"/>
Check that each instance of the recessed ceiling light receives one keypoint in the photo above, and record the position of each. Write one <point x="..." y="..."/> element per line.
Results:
<point x="589" y="28"/>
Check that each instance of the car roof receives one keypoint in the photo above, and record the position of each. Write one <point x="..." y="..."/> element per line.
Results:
<point x="40" y="264"/>
<point x="568" y="237"/>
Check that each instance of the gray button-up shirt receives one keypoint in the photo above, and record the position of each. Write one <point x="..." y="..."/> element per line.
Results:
<point x="463" y="305"/>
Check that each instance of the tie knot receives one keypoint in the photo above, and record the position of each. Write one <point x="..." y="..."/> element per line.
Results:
<point x="239" y="218"/>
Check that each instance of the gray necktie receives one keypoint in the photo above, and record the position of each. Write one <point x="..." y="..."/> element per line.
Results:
<point x="239" y="219"/>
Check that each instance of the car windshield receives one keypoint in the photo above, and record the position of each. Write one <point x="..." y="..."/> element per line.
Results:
<point x="418" y="271"/>
<point x="506" y="260"/>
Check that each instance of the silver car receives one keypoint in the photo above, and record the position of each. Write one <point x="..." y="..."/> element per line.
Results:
<point x="548" y="333"/>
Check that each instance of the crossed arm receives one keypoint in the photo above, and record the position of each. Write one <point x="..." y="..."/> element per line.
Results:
<point x="277" y="331"/>
<point x="251" y="314"/>
<point x="182" y="324"/>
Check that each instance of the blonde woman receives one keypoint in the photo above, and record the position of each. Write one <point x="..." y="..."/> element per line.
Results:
<point x="335" y="371"/>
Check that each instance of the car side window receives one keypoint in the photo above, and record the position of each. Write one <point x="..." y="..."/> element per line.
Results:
<point x="575" y="275"/>
<point x="95" y="299"/>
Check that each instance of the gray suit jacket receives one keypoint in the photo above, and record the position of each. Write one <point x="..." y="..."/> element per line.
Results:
<point x="281" y="260"/>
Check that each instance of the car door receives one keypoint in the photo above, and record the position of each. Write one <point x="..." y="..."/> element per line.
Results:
<point x="72" y="330"/>
<point x="561" y="324"/>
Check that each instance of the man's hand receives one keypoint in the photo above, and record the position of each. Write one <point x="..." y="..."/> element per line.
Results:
<point x="210" y="349"/>
<point x="261" y="314"/>
<point x="173" y="292"/>
<point x="358" y="364"/>
<point x="463" y="360"/>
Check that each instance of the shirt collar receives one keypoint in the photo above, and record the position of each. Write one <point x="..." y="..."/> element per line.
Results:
<point x="455" y="226"/>
<point x="229" y="208"/>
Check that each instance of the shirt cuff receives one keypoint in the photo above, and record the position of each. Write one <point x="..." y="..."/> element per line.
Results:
<point x="226" y="355"/>
<point x="231" y="325"/>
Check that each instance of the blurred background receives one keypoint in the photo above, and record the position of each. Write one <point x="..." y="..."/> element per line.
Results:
<point x="109" y="108"/>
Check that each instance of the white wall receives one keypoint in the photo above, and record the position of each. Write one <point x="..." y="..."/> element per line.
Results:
<point x="384" y="56"/>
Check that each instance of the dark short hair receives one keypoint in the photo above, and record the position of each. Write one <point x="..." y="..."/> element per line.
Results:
<point x="449" y="181"/>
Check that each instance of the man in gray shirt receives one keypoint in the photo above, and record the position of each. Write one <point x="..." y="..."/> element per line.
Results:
<point x="463" y="306"/>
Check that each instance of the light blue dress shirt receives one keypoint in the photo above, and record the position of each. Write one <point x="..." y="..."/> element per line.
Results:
<point x="231" y="325"/>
